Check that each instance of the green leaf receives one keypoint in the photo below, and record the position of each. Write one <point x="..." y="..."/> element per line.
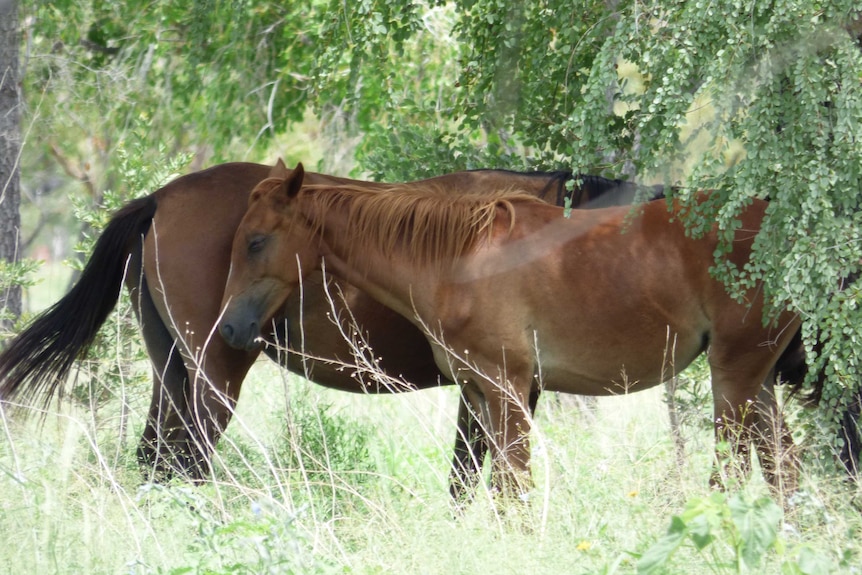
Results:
<point x="756" y="523"/>
<point x="811" y="562"/>
<point x="700" y="532"/>
<point x="657" y="556"/>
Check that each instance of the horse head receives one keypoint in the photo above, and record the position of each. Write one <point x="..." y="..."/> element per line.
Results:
<point x="271" y="253"/>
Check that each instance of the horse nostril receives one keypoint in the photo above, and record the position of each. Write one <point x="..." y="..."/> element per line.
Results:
<point x="227" y="331"/>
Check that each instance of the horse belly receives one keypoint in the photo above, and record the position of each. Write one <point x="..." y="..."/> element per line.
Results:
<point x="607" y="356"/>
<point x="604" y="375"/>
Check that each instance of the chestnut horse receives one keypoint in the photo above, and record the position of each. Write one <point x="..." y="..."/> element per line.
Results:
<point x="172" y="250"/>
<point x="514" y="297"/>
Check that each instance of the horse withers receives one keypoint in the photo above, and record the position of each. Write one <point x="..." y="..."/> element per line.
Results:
<point x="481" y="276"/>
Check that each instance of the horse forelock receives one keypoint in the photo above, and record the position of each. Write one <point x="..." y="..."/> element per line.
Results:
<point x="428" y="224"/>
<point x="264" y="189"/>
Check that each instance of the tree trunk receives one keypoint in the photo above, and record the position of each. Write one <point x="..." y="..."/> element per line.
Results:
<point x="10" y="153"/>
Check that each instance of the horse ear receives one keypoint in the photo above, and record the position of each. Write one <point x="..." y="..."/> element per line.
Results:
<point x="293" y="184"/>
<point x="279" y="170"/>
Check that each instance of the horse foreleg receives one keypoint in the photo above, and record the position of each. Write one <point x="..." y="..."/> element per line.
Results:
<point x="216" y="379"/>
<point x="471" y="444"/>
<point x="508" y="413"/>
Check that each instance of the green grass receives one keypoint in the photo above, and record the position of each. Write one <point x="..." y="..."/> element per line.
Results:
<point x="316" y="481"/>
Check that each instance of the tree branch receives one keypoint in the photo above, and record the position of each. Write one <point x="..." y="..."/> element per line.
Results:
<point x="73" y="171"/>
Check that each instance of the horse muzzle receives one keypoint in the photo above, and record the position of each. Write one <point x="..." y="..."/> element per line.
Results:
<point x="240" y="328"/>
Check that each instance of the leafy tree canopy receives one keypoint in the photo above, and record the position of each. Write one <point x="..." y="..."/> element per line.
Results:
<point x="750" y="99"/>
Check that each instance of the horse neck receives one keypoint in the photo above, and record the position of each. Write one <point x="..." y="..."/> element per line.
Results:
<point x="387" y="277"/>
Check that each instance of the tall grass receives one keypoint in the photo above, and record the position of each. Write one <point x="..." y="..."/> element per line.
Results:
<point x="309" y="480"/>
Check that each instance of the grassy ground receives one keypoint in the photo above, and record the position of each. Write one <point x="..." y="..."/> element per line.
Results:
<point x="311" y="481"/>
<point x="315" y="481"/>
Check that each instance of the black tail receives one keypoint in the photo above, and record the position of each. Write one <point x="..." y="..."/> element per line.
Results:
<point x="38" y="360"/>
<point x="792" y="368"/>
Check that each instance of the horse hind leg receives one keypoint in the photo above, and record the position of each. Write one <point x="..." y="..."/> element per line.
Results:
<point x="216" y="375"/>
<point x="165" y="444"/>
<point x="734" y="417"/>
<point x="185" y="420"/>
<point x="851" y="435"/>
<point x="746" y="414"/>
<point x="779" y="457"/>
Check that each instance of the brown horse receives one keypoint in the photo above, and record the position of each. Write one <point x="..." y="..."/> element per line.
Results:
<point x="172" y="250"/>
<point x="481" y="276"/>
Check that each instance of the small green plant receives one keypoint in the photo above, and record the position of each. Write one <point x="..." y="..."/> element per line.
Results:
<point x="319" y="440"/>
<point x="694" y="396"/>
<point x="734" y="533"/>
<point x="13" y="274"/>
<point x="262" y="538"/>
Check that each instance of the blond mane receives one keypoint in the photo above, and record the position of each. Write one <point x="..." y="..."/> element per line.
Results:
<point x="428" y="224"/>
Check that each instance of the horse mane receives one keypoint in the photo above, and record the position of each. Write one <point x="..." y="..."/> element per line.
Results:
<point x="423" y="222"/>
<point x="587" y="188"/>
<point x="610" y="192"/>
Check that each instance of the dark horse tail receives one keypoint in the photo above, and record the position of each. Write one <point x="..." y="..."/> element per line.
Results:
<point x="793" y="369"/>
<point x="38" y="360"/>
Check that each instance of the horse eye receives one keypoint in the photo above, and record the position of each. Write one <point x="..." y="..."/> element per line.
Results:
<point x="255" y="245"/>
